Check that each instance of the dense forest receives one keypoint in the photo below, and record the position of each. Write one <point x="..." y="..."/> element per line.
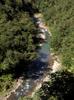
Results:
<point x="16" y="44"/>
<point x="17" y="48"/>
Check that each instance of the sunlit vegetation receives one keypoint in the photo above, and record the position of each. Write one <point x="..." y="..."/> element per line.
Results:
<point x="59" y="16"/>
<point x="16" y="44"/>
<point x="25" y="98"/>
<point x="17" y="48"/>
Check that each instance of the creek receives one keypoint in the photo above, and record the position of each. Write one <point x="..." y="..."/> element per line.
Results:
<point x="36" y="73"/>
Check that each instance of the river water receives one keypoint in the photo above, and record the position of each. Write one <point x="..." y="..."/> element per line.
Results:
<point x="36" y="73"/>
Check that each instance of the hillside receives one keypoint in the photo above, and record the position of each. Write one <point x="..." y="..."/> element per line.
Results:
<point x="59" y="16"/>
<point x="17" y="49"/>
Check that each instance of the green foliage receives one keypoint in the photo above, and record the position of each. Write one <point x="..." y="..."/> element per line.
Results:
<point x="5" y="82"/>
<point x="58" y="15"/>
<point x="16" y="40"/>
<point x="25" y="98"/>
<point x="37" y="96"/>
<point x="16" y="43"/>
<point x="60" y="87"/>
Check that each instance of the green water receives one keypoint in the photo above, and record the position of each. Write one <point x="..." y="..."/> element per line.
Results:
<point x="46" y="46"/>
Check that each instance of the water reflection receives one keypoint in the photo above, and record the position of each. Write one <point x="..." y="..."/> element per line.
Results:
<point x="34" y="74"/>
<point x="35" y="71"/>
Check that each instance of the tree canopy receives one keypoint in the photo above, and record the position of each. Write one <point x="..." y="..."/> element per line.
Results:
<point x="16" y="42"/>
<point x="58" y="15"/>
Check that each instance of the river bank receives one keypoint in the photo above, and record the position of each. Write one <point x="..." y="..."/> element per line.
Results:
<point x="54" y="65"/>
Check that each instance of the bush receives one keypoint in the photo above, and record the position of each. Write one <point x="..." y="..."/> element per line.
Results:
<point x="60" y="88"/>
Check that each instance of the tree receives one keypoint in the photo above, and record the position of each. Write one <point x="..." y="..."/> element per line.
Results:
<point x="16" y="43"/>
<point x="59" y="88"/>
<point x="58" y="16"/>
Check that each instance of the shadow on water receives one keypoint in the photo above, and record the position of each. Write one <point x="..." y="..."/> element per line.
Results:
<point x="32" y="72"/>
<point x="27" y="69"/>
<point x="36" y="70"/>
